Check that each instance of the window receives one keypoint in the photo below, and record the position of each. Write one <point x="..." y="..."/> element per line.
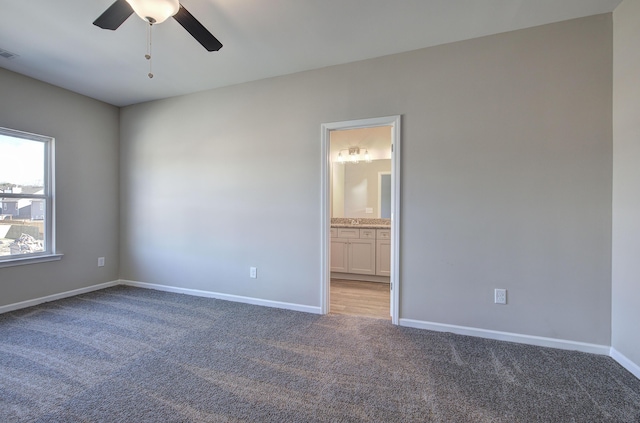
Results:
<point x="26" y="196"/>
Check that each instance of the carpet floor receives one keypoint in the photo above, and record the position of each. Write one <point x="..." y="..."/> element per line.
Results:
<point x="133" y="355"/>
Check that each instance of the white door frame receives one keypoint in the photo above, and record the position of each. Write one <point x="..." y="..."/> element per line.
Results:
<point x="325" y="223"/>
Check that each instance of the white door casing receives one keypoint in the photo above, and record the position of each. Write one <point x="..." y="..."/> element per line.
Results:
<point x="325" y="201"/>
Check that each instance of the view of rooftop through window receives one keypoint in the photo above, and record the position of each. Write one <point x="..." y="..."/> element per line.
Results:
<point x="23" y="195"/>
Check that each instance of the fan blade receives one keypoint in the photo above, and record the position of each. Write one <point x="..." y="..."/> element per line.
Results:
<point x="197" y="31"/>
<point x="114" y="16"/>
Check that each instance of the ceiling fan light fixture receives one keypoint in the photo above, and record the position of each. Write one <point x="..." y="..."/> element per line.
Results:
<point x="155" y="11"/>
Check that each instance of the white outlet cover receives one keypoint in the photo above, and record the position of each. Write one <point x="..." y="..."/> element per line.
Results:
<point x="500" y="296"/>
<point x="100" y="261"/>
<point x="253" y="272"/>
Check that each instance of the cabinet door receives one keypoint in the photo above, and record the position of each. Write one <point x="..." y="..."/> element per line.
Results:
<point x="339" y="258"/>
<point x="383" y="257"/>
<point x="362" y="256"/>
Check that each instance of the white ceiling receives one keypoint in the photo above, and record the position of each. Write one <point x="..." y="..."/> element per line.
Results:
<point x="57" y="43"/>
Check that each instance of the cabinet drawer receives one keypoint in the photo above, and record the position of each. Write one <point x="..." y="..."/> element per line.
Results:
<point x="367" y="234"/>
<point x="334" y="232"/>
<point x="348" y="233"/>
<point x="383" y="234"/>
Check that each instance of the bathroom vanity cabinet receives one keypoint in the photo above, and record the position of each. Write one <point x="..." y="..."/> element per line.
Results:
<point x="360" y="251"/>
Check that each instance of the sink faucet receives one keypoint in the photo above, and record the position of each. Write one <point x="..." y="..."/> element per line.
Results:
<point x="355" y="221"/>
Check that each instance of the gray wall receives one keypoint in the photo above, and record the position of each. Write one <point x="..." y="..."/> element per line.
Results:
<point x="506" y="173"/>
<point x="86" y="133"/>
<point x="626" y="181"/>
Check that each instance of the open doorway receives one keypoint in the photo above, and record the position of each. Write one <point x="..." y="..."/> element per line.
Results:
<point x="360" y="216"/>
<point x="360" y="197"/>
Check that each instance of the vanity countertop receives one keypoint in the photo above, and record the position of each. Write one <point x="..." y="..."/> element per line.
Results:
<point x="360" y="222"/>
<point x="360" y="225"/>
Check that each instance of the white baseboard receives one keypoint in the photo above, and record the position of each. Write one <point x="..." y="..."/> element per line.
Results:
<point x="29" y="303"/>
<point x="508" y="336"/>
<point x="632" y="367"/>
<point x="227" y="297"/>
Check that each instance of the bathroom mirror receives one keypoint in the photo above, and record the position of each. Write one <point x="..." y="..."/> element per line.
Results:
<point x="361" y="190"/>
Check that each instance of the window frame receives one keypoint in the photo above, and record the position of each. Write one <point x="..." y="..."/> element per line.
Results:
<point x="48" y="198"/>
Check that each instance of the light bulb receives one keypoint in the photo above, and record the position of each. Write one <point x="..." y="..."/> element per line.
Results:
<point x="367" y="158"/>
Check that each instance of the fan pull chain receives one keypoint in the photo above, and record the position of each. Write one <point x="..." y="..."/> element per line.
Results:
<point x="148" y="55"/>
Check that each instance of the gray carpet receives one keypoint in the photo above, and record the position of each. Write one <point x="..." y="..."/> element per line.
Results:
<point x="133" y="355"/>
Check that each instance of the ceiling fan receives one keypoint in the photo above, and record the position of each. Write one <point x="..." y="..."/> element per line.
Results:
<point x="155" y="12"/>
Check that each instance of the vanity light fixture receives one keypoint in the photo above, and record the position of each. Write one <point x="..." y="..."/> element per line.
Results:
<point x="353" y="156"/>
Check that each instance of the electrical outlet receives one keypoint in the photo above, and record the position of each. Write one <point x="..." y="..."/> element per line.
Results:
<point x="500" y="296"/>
<point x="100" y="261"/>
<point x="253" y="272"/>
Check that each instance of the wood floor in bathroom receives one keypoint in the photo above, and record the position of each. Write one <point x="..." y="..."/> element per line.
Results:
<point x="356" y="298"/>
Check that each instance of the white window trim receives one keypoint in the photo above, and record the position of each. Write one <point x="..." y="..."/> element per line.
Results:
<point x="49" y="199"/>
<point x="31" y="259"/>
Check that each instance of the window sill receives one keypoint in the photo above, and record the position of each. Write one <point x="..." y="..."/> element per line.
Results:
<point x="30" y="260"/>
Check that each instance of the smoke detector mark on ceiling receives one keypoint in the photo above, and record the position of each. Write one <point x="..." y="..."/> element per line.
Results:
<point x="7" y="54"/>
